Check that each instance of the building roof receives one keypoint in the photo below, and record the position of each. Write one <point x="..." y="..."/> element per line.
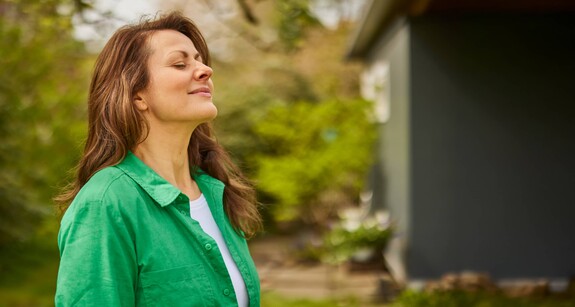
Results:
<point x="380" y="15"/>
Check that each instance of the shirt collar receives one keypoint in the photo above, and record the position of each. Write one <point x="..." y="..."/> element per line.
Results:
<point x="163" y="192"/>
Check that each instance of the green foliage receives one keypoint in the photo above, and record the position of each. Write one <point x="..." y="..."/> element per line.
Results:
<point x="467" y="299"/>
<point x="313" y="148"/>
<point x="349" y="238"/>
<point x="242" y="104"/>
<point x="318" y="90"/>
<point x="341" y="243"/>
<point x="294" y="19"/>
<point x="28" y="272"/>
<point x="42" y="84"/>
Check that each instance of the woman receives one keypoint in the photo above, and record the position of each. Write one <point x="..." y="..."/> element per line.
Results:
<point x="159" y="213"/>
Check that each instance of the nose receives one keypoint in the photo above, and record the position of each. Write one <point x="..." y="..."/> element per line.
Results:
<point x="203" y="72"/>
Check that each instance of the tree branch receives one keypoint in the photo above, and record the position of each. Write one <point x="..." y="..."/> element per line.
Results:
<point x="247" y="11"/>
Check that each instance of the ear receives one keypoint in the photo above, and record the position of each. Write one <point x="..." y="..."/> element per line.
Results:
<point x="140" y="102"/>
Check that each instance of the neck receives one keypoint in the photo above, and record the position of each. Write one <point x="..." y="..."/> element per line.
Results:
<point x="166" y="152"/>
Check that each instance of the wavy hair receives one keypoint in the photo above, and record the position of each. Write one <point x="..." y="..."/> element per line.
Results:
<point x="115" y="126"/>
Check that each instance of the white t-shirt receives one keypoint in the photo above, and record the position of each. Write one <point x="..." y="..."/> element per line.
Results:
<point x="200" y="211"/>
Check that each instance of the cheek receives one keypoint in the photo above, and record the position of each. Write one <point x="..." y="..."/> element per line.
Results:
<point x="168" y="86"/>
<point x="177" y="84"/>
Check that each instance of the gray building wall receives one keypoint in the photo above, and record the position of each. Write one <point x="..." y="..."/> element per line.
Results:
<point x="394" y="142"/>
<point x="492" y="161"/>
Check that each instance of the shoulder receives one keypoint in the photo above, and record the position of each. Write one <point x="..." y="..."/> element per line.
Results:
<point x="107" y="183"/>
<point x="104" y="193"/>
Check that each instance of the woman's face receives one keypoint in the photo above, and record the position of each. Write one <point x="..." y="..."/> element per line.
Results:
<point x="180" y="86"/>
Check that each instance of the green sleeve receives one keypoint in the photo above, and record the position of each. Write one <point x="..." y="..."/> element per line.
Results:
<point x="98" y="265"/>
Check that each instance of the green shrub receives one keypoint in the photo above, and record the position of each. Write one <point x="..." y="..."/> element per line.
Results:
<point x="315" y="151"/>
<point x="341" y="243"/>
<point x="480" y="299"/>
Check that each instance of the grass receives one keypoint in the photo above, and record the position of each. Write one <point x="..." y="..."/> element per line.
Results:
<point x="273" y="299"/>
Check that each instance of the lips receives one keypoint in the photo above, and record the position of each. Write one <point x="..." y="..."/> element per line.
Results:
<point x="202" y="90"/>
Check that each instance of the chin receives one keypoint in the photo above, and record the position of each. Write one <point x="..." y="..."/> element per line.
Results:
<point x="214" y="111"/>
<point x="209" y="114"/>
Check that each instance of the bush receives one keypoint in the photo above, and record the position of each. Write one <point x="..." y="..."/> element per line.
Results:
<point x="480" y="299"/>
<point x="344" y="241"/>
<point x="316" y="151"/>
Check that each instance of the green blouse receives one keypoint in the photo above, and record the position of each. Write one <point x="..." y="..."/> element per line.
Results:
<point x="128" y="239"/>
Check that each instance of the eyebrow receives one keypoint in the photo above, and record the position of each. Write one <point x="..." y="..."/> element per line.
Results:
<point x="186" y="54"/>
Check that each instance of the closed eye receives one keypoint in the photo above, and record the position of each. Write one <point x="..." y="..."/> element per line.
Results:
<point x="180" y="65"/>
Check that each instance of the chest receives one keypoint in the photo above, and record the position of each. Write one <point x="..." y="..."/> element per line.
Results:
<point x="178" y="261"/>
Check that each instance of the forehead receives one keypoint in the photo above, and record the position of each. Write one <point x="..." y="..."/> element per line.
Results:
<point x="164" y="41"/>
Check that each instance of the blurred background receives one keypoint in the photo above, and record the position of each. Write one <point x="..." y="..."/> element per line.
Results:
<point x="405" y="152"/>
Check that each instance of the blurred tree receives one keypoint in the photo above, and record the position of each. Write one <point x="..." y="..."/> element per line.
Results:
<point x="258" y="80"/>
<point x="317" y="157"/>
<point x="294" y="18"/>
<point x="43" y="82"/>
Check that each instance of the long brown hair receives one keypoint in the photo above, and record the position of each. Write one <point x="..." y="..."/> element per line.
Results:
<point x="115" y="126"/>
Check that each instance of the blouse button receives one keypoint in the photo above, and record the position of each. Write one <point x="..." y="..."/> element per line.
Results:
<point x="208" y="247"/>
<point x="226" y="292"/>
